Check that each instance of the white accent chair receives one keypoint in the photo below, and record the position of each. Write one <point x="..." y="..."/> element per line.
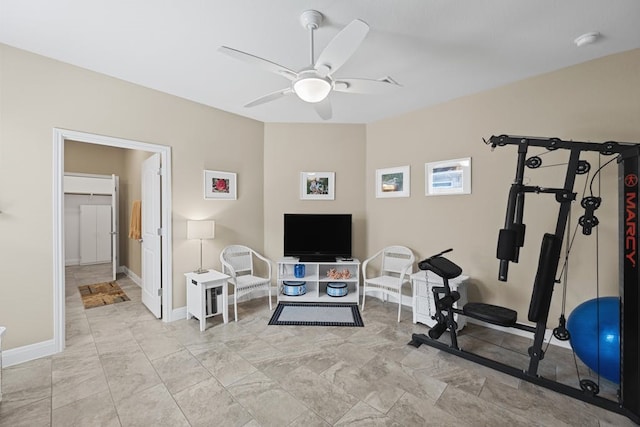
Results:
<point x="396" y="266"/>
<point x="237" y="262"/>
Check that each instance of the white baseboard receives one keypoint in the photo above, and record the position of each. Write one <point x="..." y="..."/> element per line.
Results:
<point x="29" y="352"/>
<point x="68" y="262"/>
<point x="133" y="276"/>
<point x="178" y="313"/>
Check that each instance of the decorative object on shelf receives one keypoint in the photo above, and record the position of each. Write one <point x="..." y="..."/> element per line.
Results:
<point x="317" y="185"/>
<point x="220" y="185"/>
<point x="294" y="289"/>
<point x="299" y="270"/>
<point x="448" y="177"/>
<point x="201" y="230"/>
<point x="393" y="182"/>
<point x="337" y="289"/>
<point x="332" y="273"/>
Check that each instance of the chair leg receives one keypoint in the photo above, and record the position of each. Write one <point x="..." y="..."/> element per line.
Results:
<point x="235" y="302"/>
<point x="399" y="305"/>
<point x="270" y="306"/>
<point x="364" y="293"/>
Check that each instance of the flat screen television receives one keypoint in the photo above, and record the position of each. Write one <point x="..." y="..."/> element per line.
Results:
<point x="317" y="237"/>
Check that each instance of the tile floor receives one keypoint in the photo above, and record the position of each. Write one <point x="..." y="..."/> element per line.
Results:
<point x="122" y="367"/>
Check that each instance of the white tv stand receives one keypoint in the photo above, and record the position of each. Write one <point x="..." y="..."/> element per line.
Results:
<point x="316" y="280"/>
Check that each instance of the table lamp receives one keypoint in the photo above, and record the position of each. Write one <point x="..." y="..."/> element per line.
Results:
<point x="205" y="229"/>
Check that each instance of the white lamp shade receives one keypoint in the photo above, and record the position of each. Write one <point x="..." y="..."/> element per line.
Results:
<point x="205" y="229"/>
<point x="312" y="89"/>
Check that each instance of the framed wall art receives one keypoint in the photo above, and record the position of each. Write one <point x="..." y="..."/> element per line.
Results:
<point x="448" y="177"/>
<point x="317" y="185"/>
<point x="393" y="182"/>
<point x="220" y="185"/>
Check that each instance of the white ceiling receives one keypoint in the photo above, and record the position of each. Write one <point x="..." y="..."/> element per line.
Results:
<point x="436" y="49"/>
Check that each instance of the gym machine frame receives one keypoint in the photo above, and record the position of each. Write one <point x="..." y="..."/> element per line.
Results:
<point x="511" y="238"/>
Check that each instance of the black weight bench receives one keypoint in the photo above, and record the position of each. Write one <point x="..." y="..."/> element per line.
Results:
<point x="493" y="314"/>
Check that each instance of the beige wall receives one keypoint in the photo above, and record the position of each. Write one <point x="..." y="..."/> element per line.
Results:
<point x="596" y="101"/>
<point x="294" y="148"/>
<point x="38" y="95"/>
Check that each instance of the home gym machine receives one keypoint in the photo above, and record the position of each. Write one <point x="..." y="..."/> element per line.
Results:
<point x="511" y="239"/>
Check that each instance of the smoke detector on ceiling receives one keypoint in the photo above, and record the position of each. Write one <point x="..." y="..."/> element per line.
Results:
<point x="587" y="38"/>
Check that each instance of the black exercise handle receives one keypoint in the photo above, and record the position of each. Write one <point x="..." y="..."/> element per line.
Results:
<point x="437" y="330"/>
<point x="440" y="254"/>
<point x="514" y="216"/>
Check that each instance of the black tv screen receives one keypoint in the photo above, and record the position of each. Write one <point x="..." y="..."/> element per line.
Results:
<point x="317" y="237"/>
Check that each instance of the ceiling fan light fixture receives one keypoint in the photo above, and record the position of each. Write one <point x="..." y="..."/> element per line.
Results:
<point x="312" y="89"/>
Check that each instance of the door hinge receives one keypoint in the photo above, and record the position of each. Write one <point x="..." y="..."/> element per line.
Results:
<point x="159" y="292"/>
<point x="159" y="231"/>
<point x="159" y="171"/>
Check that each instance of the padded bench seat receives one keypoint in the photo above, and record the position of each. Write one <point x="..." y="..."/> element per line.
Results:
<point x="493" y="314"/>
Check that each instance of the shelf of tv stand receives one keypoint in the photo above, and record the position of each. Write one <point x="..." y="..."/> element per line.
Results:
<point x="316" y="280"/>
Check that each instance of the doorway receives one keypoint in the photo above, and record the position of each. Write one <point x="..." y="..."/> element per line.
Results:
<point x="92" y="217"/>
<point x="164" y="152"/>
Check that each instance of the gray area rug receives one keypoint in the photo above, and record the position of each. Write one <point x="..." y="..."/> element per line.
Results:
<point x="310" y="314"/>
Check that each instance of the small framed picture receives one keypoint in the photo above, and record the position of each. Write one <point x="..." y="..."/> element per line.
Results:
<point x="393" y="182"/>
<point x="219" y="185"/>
<point x="448" y="177"/>
<point x="317" y="185"/>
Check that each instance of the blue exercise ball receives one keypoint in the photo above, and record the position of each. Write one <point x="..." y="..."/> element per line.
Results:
<point x="587" y="337"/>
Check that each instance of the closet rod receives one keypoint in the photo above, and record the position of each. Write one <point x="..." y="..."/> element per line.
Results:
<point x="89" y="194"/>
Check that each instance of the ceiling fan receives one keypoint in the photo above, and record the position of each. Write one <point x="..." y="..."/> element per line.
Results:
<point x="314" y="83"/>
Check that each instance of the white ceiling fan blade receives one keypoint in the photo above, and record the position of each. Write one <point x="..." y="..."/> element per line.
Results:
<point x="260" y="62"/>
<point x="343" y="45"/>
<point x="323" y="108"/>
<point x="386" y="85"/>
<point x="270" y="97"/>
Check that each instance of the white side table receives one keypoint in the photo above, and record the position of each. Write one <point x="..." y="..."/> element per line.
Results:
<point x="203" y="299"/>
<point x="424" y="306"/>
<point x="2" y="329"/>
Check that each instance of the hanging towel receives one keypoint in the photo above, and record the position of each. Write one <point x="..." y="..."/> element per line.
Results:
<point x="135" y="228"/>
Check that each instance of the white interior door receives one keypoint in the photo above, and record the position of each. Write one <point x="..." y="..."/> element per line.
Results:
<point x="151" y="235"/>
<point x="87" y="234"/>
<point x="95" y="234"/>
<point x="115" y="224"/>
<point x="103" y="233"/>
